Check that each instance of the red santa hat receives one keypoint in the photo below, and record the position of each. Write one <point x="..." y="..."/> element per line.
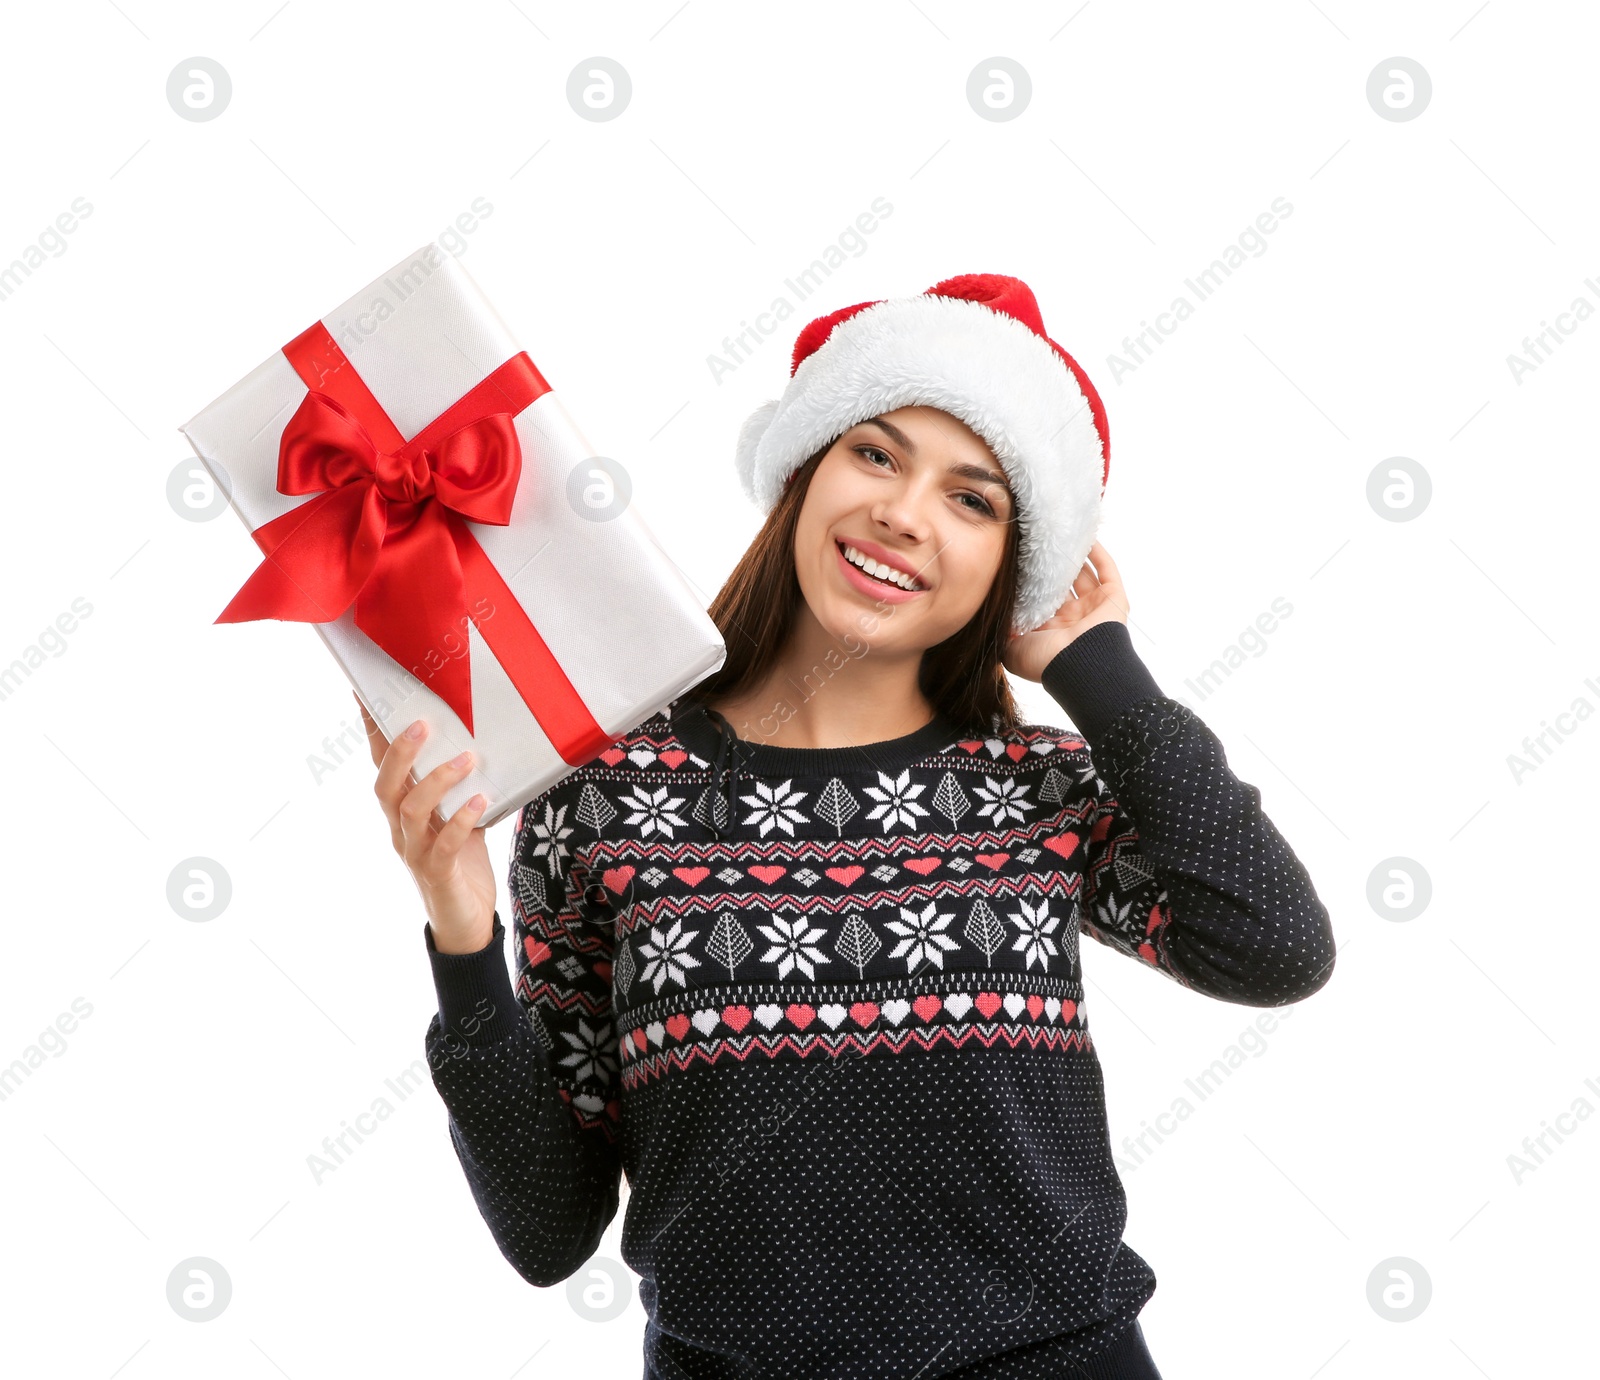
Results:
<point x="974" y="346"/>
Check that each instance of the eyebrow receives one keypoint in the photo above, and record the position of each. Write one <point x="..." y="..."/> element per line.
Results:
<point x="962" y="468"/>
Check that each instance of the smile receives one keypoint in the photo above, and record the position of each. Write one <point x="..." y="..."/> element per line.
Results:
<point x="874" y="578"/>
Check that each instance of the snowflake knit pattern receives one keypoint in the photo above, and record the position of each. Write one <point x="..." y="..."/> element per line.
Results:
<point x="825" y="1009"/>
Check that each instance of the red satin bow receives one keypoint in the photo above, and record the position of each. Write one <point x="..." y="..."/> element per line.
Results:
<point x="381" y="533"/>
<point x="388" y="531"/>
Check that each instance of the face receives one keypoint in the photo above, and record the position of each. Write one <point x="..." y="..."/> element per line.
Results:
<point x="916" y="490"/>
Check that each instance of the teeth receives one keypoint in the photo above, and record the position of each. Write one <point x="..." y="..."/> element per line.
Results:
<point x="880" y="571"/>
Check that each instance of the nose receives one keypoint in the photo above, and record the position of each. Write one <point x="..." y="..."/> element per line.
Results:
<point x="903" y="512"/>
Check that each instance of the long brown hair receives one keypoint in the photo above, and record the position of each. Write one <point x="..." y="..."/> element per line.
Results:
<point x="755" y="610"/>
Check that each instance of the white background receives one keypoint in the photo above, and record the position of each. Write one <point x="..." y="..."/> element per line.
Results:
<point x="1378" y="720"/>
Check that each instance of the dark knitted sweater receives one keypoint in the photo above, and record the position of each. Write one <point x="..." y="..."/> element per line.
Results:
<point x="824" y="1007"/>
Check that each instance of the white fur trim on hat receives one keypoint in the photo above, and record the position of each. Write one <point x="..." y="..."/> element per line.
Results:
<point x="986" y="367"/>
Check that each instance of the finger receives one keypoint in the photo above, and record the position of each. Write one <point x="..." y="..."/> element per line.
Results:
<point x="457" y="829"/>
<point x="393" y="783"/>
<point x="1111" y="579"/>
<point x="1104" y="566"/>
<point x="417" y="823"/>
<point x="376" y="742"/>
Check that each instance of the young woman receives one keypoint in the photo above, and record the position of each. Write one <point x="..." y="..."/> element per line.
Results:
<point x="799" y="954"/>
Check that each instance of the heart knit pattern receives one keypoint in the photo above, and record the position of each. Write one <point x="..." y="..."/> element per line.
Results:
<point x="837" y="1038"/>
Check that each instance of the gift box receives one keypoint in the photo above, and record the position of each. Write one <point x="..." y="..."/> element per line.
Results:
<point x="421" y="498"/>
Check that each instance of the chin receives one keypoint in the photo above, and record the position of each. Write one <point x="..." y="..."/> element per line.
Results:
<point x="857" y="620"/>
<point x="890" y="628"/>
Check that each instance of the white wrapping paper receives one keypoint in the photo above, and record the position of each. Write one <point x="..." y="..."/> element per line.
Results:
<point x="617" y="614"/>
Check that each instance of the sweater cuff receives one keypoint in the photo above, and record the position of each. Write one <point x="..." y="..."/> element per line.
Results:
<point x="476" y="1002"/>
<point x="1097" y="676"/>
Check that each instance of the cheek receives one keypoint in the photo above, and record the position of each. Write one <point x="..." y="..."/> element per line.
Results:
<point x="822" y="510"/>
<point x="971" y="562"/>
<point x="810" y="543"/>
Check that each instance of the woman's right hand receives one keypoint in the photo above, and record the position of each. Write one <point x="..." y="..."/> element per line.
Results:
<point x="449" y="862"/>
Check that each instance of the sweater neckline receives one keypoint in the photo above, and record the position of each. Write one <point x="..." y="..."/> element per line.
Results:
<point x="699" y="732"/>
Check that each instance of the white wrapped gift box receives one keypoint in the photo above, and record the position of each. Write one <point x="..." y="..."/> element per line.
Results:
<point x="616" y="614"/>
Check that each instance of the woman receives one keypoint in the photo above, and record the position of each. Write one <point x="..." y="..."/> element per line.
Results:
<point x="800" y="953"/>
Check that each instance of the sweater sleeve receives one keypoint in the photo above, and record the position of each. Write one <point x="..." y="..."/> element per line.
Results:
<point x="1183" y="870"/>
<point x="530" y="1089"/>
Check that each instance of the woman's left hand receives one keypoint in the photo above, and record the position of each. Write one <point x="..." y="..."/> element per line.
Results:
<point x="1097" y="597"/>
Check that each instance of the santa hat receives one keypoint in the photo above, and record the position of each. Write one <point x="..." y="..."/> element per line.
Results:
<point x="975" y="347"/>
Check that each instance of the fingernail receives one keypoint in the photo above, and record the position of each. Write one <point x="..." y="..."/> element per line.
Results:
<point x="415" y="731"/>
<point x="460" y="759"/>
<point x="477" y="802"/>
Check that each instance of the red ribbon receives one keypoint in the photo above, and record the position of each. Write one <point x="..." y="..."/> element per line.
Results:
<point x="385" y="532"/>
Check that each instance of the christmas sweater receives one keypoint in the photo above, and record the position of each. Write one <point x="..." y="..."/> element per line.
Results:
<point x="824" y="1008"/>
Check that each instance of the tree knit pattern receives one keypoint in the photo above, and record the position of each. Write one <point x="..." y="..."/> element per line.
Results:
<point x="838" y="1041"/>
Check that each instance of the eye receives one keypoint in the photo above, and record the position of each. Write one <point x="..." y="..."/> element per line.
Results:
<point x="979" y="504"/>
<point x="983" y="503"/>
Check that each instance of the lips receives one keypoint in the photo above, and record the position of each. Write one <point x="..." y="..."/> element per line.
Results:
<point x="871" y="586"/>
<point x="883" y="556"/>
